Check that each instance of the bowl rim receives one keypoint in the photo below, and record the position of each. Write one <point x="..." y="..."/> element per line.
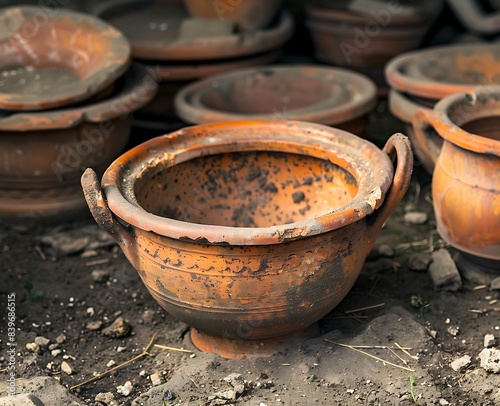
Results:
<point x="117" y="60"/>
<point x="427" y="87"/>
<point x="326" y="111"/>
<point x="371" y="167"/>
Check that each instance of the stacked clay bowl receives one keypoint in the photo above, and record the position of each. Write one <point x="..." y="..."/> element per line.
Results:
<point x="67" y="94"/>
<point x="324" y="95"/>
<point x="420" y="79"/>
<point x="365" y="35"/>
<point x="179" y="47"/>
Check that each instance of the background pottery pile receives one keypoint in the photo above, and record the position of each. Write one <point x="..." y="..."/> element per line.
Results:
<point x="332" y="96"/>
<point x="179" y="48"/>
<point x="68" y="94"/>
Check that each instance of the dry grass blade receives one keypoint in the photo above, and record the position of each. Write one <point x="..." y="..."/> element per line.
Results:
<point x="164" y="347"/>
<point x="370" y="355"/>
<point x="364" y="308"/>
<point x="406" y="352"/>
<point x="397" y="356"/>
<point x="100" y="375"/>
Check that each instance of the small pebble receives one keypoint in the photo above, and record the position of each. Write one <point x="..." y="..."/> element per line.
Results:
<point x="489" y="341"/>
<point x="453" y="330"/>
<point x="155" y="379"/>
<point x="66" y="368"/>
<point x="61" y="338"/>
<point x="110" y="363"/>
<point x="443" y="402"/>
<point x="461" y="363"/>
<point x="94" y="325"/>
<point x="415" y="218"/>
<point x="33" y="347"/>
<point x="495" y="284"/>
<point x="121" y="349"/>
<point x="125" y="389"/>
<point x="55" y="353"/>
<point x="490" y="360"/>
<point x="419" y="262"/>
<point x="101" y="275"/>
<point x="119" y="328"/>
<point x="90" y="311"/>
<point x="386" y="251"/>
<point x="42" y="341"/>
<point x="107" y="398"/>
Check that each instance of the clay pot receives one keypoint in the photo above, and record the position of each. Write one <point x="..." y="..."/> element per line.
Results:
<point x="45" y="153"/>
<point x="420" y="79"/>
<point x="322" y="95"/>
<point x="466" y="181"/>
<point x="248" y="14"/>
<point x="364" y="40"/>
<point x="249" y="232"/>
<point x="51" y="59"/>
<point x="159" y="31"/>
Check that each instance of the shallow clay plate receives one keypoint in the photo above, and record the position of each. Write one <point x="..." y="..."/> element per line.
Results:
<point x="308" y="93"/>
<point x="159" y="31"/>
<point x="440" y="71"/>
<point x="50" y="59"/>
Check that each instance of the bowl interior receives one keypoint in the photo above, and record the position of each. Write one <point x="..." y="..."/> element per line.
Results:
<point x="246" y="189"/>
<point x="488" y="127"/>
<point x="266" y="92"/>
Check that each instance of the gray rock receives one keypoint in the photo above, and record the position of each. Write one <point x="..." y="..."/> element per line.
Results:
<point x="107" y="398"/>
<point x="490" y="360"/>
<point x="21" y="400"/>
<point x="48" y="390"/>
<point x="419" y="262"/>
<point x="42" y="341"/>
<point x="444" y="272"/>
<point x="33" y="347"/>
<point x="125" y="389"/>
<point x="495" y="284"/>
<point x="386" y="251"/>
<point x="61" y="338"/>
<point x="415" y="218"/>
<point x="489" y="341"/>
<point x="119" y="328"/>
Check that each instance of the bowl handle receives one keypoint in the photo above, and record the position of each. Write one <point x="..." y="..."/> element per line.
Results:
<point x="398" y="147"/>
<point x="103" y="216"/>
<point x="423" y="121"/>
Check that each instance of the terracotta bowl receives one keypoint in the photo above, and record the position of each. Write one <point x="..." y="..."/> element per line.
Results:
<point x="159" y="31"/>
<point x="438" y="72"/>
<point x="45" y="153"/>
<point x="466" y="179"/>
<point x="50" y="59"/>
<point x="249" y="232"/>
<point x="248" y="14"/>
<point x="359" y="40"/>
<point x="324" y="95"/>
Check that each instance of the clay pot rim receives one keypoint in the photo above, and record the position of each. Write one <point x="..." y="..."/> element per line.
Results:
<point x="193" y="71"/>
<point x="229" y="46"/>
<point x="404" y="108"/>
<point x="330" y="15"/>
<point x="452" y="131"/>
<point x="139" y="88"/>
<point x="429" y="88"/>
<point x="347" y="150"/>
<point x="117" y="61"/>
<point x="324" y="112"/>
<point x="403" y="31"/>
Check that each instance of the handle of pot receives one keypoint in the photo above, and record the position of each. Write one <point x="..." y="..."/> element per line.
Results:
<point x="398" y="147"/>
<point x="423" y="121"/>
<point x="99" y="208"/>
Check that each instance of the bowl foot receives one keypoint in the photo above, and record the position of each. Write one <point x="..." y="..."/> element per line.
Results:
<point x="241" y="349"/>
<point x="477" y="269"/>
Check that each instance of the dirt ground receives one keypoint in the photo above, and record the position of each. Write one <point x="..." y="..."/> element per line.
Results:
<point x="72" y="299"/>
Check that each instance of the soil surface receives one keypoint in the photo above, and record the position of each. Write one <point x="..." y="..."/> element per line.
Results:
<point x="64" y="306"/>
